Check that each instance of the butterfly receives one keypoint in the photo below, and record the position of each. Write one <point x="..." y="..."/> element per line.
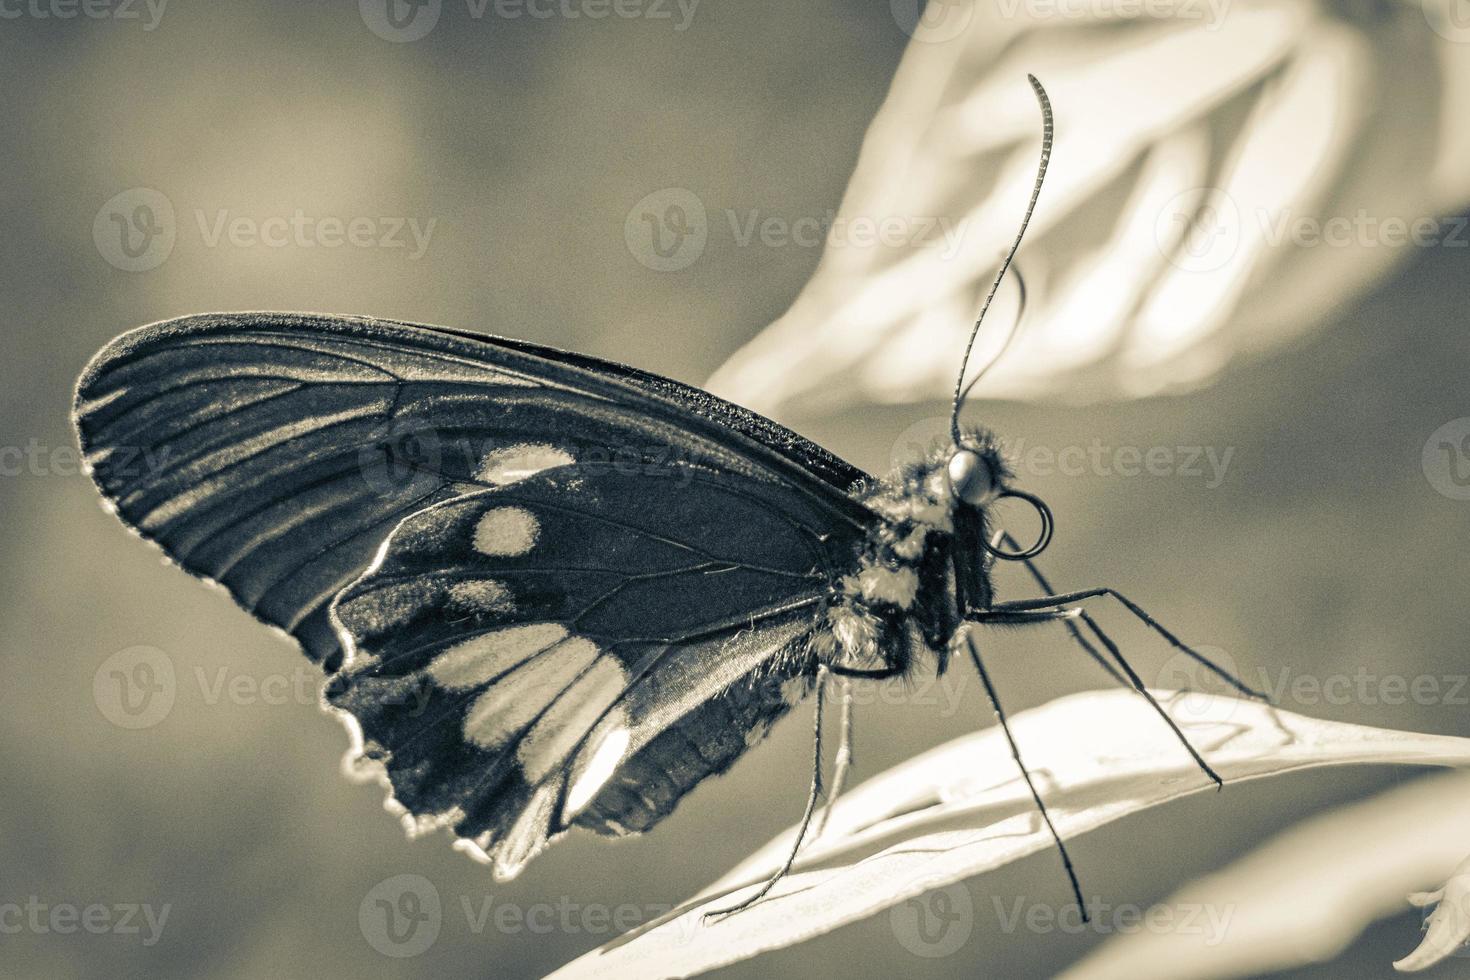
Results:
<point x="546" y="590"/>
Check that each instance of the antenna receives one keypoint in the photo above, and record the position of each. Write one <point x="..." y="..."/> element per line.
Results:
<point x="1047" y="132"/>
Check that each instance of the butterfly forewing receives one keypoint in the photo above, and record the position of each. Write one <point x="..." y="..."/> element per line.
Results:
<point x="600" y="585"/>
<point x="274" y="452"/>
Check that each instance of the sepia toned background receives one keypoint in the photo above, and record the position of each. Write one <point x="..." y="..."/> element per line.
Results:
<point x="1325" y="555"/>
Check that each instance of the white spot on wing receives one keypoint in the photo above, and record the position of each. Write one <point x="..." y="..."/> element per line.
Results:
<point x="483" y="658"/>
<point x="422" y="824"/>
<point x="506" y="531"/>
<point x="509" y="706"/>
<point x="556" y="734"/>
<point x="514" y="463"/>
<point x="527" y="835"/>
<point x="601" y="764"/>
<point x="481" y="595"/>
<point x="473" y="848"/>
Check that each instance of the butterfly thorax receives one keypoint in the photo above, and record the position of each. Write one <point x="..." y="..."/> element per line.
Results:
<point x="918" y="571"/>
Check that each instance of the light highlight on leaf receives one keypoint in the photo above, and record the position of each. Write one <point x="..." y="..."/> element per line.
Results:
<point x="1282" y="119"/>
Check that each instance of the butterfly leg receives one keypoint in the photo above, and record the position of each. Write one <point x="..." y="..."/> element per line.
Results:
<point x="1006" y="617"/>
<point x="843" y="763"/>
<point x="1010" y="609"/>
<point x="881" y="673"/>
<point x="1003" y="537"/>
<point x="1066" y="598"/>
<point x="963" y="635"/>
<point x="1026" y="618"/>
<point x="806" y="817"/>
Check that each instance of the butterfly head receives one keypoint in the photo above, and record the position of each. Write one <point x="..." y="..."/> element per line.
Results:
<point x="976" y="476"/>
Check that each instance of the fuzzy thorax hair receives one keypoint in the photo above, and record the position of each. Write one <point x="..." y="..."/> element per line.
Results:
<point x="899" y="597"/>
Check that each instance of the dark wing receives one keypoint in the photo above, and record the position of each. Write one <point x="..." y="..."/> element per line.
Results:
<point x="518" y="652"/>
<point x="677" y="550"/>
<point x="273" y="452"/>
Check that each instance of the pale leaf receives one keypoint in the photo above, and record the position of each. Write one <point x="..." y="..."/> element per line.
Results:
<point x="1448" y="928"/>
<point x="960" y="810"/>
<point x="1199" y="162"/>
<point x="1303" y="896"/>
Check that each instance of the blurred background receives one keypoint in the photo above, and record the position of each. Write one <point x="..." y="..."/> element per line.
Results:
<point x="497" y="170"/>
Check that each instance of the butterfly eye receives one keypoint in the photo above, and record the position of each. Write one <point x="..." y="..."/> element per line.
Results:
<point x="972" y="479"/>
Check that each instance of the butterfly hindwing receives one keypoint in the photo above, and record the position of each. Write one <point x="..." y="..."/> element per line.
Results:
<point x="578" y="643"/>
